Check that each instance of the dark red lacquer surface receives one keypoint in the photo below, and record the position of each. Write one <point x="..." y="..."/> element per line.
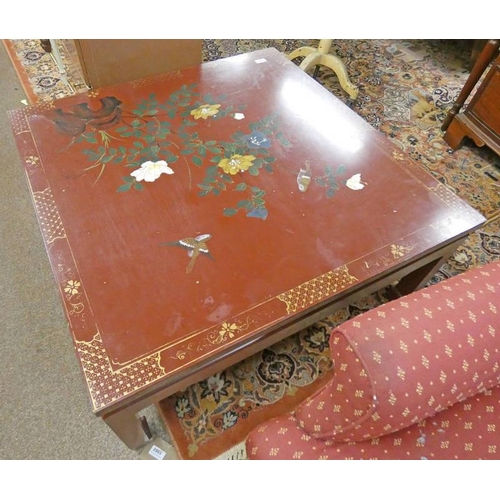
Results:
<point x="274" y="197"/>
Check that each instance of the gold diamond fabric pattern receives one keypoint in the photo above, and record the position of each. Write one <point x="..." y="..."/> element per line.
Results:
<point x="413" y="379"/>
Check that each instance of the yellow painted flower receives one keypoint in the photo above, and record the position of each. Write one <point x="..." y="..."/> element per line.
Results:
<point x="72" y="287"/>
<point x="205" y="110"/>
<point x="229" y="329"/>
<point x="397" y="250"/>
<point x="237" y="163"/>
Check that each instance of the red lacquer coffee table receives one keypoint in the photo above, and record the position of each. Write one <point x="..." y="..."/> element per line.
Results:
<point x="195" y="217"/>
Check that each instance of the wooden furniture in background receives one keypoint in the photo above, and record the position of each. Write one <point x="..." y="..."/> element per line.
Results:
<point x="481" y="118"/>
<point x="107" y="62"/>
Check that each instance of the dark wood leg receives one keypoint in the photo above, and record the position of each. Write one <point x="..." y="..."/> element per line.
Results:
<point x="133" y="431"/>
<point x="455" y="134"/>
<point x="421" y="276"/>
<point x="482" y="62"/>
<point x="45" y="44"/>
<point x="459" y="128"/>
<point x="477" y="48"/>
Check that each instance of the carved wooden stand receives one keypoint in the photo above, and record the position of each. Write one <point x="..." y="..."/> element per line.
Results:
<point x="321" y="56"/>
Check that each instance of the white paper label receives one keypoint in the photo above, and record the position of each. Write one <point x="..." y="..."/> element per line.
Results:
<point x="157" y="453"/>
<point x="260" y="61"/>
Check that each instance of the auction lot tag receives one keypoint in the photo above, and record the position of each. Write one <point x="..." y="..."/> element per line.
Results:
<point x="159" y="449"/>
<point x="157" y="452"/>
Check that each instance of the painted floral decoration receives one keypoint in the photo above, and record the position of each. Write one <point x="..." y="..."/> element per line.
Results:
<point x="229" y="329"/>
<point x="151" y="170"/>
<point x="205" y="110"/>
<point x="237" y="163"/>
<point x="72" y="287"/>
<point x="257" y="140"/>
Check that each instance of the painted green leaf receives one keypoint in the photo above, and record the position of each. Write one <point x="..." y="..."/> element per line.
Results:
<point x="197" y="161"/>
<point x="138" y="144"/>
<point x="229" y="212"/>
<point x="138" y="186"/>
<point x="135" y="123"/>
<point x="123" y="188"/>
<point x="253" y="170"/>
<point x="241" y="186"/>
<point x="320" y="181"/>
<point x="283" y="140"/>
<point x="245" y="204"/>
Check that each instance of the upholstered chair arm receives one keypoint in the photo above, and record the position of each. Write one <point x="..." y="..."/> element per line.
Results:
<point x="409" y="359"/>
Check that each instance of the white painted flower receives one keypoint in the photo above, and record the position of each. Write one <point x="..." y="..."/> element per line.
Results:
<point x="355" y="182"/>
<point x="151" y="170"/>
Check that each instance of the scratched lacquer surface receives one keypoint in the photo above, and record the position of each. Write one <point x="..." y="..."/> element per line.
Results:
<point x="188" y="211"/>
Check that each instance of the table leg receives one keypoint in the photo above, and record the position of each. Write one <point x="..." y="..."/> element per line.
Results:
<point x="420" y="277"/>
<point x="133" y="431"/>
<point x="45" y="44"/>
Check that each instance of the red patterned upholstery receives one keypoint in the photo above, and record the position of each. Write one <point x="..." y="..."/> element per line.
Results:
<point x="417" y="377"/>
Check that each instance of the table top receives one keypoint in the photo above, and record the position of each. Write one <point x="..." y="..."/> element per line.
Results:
<point x="188" y="211"/>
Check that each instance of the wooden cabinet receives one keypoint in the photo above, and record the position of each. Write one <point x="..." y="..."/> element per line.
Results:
<point x="108" y="62"/>
<point x="480" y="121"/>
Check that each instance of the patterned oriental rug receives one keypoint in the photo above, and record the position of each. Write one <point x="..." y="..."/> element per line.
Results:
<point x="405" y="90"/>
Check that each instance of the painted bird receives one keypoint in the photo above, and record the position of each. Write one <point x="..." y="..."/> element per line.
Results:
<point x="195" y="246"/>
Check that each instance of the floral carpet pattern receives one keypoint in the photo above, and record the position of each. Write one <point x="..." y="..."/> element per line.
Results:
<point x="406" y="87"/>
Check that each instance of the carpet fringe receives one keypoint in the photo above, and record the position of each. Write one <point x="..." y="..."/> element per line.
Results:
<point x="237" y="452"/>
